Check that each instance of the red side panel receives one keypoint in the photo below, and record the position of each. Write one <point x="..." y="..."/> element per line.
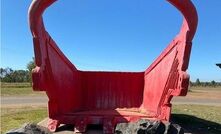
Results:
<point x="110" y="90"/>
<point x="156" y="79"/>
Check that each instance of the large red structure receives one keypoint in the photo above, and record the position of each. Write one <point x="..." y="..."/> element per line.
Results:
<point x="88" y="97"/>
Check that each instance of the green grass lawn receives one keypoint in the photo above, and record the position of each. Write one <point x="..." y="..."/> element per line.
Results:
<point x="198" y="118"/>
<point x="212" y="113"/>
<point x="13" y="118"/>
<point x="11" y="89"/>
<point x="17" y="91"/>
<point x="15" y="85"/>
<point x="194" y="118"/>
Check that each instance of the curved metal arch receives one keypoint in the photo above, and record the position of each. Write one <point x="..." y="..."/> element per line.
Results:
<point x="186" y="7"/>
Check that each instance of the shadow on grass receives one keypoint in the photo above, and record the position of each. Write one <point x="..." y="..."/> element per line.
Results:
<point x="196" y="125"/>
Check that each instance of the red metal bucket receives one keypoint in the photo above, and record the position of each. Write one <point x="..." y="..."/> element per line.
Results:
<point x="88" y="97"/>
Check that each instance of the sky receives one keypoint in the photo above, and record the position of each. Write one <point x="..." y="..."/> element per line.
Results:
<point x="113" y="35"/>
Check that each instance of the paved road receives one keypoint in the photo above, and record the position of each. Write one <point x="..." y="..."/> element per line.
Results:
<point x="24" y="101"/>
<point x="42" y="101"/>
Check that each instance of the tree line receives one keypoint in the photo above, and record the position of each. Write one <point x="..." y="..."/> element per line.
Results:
<point x="10" y="75"/>
<point x="205" y="84"/>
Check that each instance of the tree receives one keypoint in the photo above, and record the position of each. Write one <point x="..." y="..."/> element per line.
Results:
<point x="3" y="73"/>
<point x="30" y="66"/>
<point x="6" y="74"/>
<point x="10" y="75"/>
<point x="198" y="83"/>
<point x="20" y="76"/>
<point x="213" y="83"/>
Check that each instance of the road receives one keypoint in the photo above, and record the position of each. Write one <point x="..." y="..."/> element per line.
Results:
<point x="11" y="101"/>
<point x="17" y="101"/>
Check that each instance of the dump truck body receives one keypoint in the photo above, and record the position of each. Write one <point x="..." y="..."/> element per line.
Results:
<point x="98" y="97"/>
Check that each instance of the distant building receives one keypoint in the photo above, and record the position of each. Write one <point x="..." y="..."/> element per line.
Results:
<point x="219" y="65"/>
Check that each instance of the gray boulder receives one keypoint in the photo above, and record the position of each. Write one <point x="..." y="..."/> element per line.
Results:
<point x="30" y="129"/>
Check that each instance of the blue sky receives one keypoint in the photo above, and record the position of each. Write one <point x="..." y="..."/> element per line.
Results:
<point x="118" y="35"/>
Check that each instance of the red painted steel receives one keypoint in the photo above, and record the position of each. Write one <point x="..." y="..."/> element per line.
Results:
<point x="107" y="98"/>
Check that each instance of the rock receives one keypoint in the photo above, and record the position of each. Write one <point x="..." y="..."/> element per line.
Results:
<point x="144" y="126"/>
<point x="175" y="129"/>
<point x="150" y="127"/>
<point x="30" y="129"/>
<point x="126" y="128"/>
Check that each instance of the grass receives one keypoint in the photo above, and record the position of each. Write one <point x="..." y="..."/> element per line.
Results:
<point x="16" y="91"/>
<point x="10" y="89"/>
<point x="12" y="118"/>
<point x="198" y="118"/>
<point x="15" y="85"/>
<point x="217" y="88"/>
<point x="212" y="113"/>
